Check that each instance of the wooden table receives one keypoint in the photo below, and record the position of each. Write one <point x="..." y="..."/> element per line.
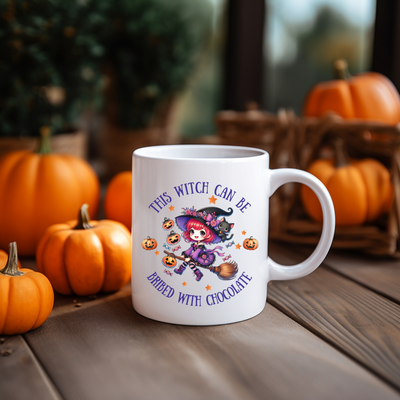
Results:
<point x="332" y="335"/>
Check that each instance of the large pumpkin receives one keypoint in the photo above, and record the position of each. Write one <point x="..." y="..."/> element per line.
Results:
<point x="26" y="296"/>
<point x="85" y="257"/>
<point x="361" y="190"/>
<point x="118" y="199"/>
<point x="39" y="190"/>
<point x="368" y="96"/>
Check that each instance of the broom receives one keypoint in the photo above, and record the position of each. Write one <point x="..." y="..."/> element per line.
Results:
<point x="225" y="271"/>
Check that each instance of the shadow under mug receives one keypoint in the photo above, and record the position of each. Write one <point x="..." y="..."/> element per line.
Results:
<point x="200" y="220"/>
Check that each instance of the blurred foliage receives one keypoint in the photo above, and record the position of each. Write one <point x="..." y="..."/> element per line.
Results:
<point x="49" y="63"/>
<point x="54" y="53"/>
<point x="331" y="36"/>
<point x="152" y="47"/>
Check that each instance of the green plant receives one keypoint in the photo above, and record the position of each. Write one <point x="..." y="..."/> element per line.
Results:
<point x="151" y="49"/>
<point x="50" y="65"/>
<point x="54" y="55"/>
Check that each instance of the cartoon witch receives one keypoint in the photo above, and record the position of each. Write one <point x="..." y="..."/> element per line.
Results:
<point x="200" y="228"/>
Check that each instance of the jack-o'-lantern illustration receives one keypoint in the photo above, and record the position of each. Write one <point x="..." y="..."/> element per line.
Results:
<point x="173" y="238"/>
<point x="169" y="261"/>
<point x="250" y="243"/>
<point x="167" y="224"/>
<point x="149" y="243"/>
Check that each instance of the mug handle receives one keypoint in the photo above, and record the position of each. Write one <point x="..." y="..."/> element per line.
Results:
<point x="280" y="176"/>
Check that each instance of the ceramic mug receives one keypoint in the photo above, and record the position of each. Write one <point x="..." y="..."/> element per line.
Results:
<point x="200" y="232"/>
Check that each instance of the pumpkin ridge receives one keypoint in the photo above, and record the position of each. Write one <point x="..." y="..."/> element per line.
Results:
<point x="64" y="264"/>
<point x="35" y="162"/>
<point x="391" y="88"/>
<point x="83" y="238"/>
<point x="39" y="299"/>
<point x="74" y="164"/>
<point x="36" y="201"/>
<point x="104" y="257"/>
<point x="54" y="271"/>
<point x="7" y="183"/>
<point x="8" y="302"/>
<point x="81" y="201"/>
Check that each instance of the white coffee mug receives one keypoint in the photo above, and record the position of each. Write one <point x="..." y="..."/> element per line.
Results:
<point x="200" y="232"/>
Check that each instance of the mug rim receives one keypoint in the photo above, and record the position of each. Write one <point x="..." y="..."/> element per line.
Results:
<point x="222" y="152"/>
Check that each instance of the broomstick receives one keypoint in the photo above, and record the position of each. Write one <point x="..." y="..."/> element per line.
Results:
<point x="225" y="271"/>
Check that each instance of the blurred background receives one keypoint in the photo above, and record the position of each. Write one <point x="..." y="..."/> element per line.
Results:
<point x="127" y="73"/>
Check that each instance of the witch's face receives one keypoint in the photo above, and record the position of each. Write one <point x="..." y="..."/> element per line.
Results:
<point x="198" y="235"/>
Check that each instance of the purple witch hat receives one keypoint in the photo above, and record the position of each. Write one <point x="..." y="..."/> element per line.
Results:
<point x="207" y="216"/>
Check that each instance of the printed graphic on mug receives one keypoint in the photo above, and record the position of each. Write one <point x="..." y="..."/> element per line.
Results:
<point x="199" y="245"/>
<point x="200" y="232"/>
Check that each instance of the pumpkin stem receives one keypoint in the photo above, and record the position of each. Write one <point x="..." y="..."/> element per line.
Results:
<point x="342" y="159"/>
<point x="83" y="218"/>
<point x="11" y="267"/>
<point x="44" y="143"/>
<point x="341" y="70"/>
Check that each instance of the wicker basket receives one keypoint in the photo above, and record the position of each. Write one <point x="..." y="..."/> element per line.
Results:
<point x="68" y="143"/>
<point x="119" y="144"/>
<point x="253" y="128"/>
<point x="294" y="142"/>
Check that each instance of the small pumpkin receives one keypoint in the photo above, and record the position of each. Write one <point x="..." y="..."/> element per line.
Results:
<point x="26" y="296"/>
<point x="168" y="223"/>
<point x="173" y="238"/>
<point x="149" y="243"/>
<point x="367" y="96"/>
<point x="361" y="190"/>
<point x="39" y="189"/>
<point x="118" y="199"/>
<point x="250" y="243"/>
<point x="85" y="257"/>
<point x="169" y="261"/>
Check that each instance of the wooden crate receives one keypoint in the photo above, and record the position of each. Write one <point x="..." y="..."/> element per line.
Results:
<point x="311" y="139"/>
<point x="294" y="142"/>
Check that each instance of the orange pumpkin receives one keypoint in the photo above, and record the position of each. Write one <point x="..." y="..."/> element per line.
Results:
<point x="149" y="243"/>
<point x="368" y="96"/>
<point x="39" y="190"/>
<point x="173" y="238"/>
<point x="361" y="190"/>
<point x="118" y="199"/>
<point x="26" y="296"/>
<point x="167" y="224"/>
<point x="85" y="257"/>
<point x="250" y="243"/>
<point x="169" y="261"/>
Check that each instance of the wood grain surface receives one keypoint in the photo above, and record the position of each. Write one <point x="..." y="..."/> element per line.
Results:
<point x="380" y="275"/>
<point x="21" y="376"/>
<point x="104" y="348"/>
<point x="353" y="318"/>
<point x="325" y="336"/>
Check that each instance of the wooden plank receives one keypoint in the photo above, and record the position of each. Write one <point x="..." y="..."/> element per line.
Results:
<point x="357" y="321"/>
<point x="21" y="376"/>
<point x="379" y="274"/>
<point x="104" y="350"/>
